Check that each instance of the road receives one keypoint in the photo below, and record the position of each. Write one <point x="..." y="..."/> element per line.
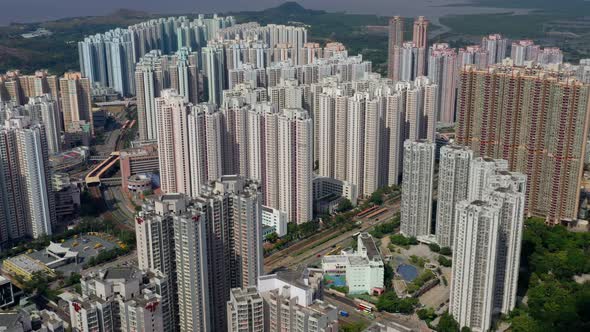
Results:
<point x="348" y="305"/>
<point x="291" y="258"/>
<point x="117" y="206"/>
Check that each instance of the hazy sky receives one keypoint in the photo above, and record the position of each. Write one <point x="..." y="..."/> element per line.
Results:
<point x="40" y="10"/>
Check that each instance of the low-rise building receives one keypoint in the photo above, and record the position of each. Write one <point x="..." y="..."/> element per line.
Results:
<point x="141" y="160"/>
<point x="324" y="186"/>
<point x="24" y="266"/>
<point x="363" y="270"/>
<point x="275" y="219"/>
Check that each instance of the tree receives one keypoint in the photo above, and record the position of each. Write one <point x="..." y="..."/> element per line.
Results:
<point x="377" y="197"/>
<point x="272" y="237"/>
<point x="344" y="205"/>
<point x="434" y="247"/>
<point x="442" y="260"/>
<point x="73" y="279"/>
<point x="353" y="327"/>
<point x="388" y="276"/>
<point x="426" y="314"/>
<point x="391" y="303"/>
<point x="524" y="323"/>
<point x="403" y="241"/>
<point x="447" y="323"/>
<point x="446" y="251"/>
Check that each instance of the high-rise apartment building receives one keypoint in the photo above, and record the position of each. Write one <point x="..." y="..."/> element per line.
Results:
<point x="295" y="169"/>
<point x="472" y="55"/>
<point x="420" y="39"/>
<point x="503" y="192"/>
<point x="361" y="134"/>
<point x="18" y="88"/>
<point x="117" y="299"/>
<point x="192" y="269"/>
<point x="474" y="256"/>
<point x="234" y="226"/>
<point x="245" y="311"/>
<point x="150" y="81"/>
<point x="550" y="56"/>
<point x="418" y="173"/>
<point x="154" y="233"/>
<point x="76" y="101"/>
<point x="511" y="202"/>
<point x="442" y="71"/>
<point x="204" y="247"/>
<point x="481" y="171"/>
<point x="538" y="122"/>
<point x="45" y="109"/>
<point x="407" y="62"/>
<point x="28" y="202"/>
<point x="173" y="142"/>
<point x="214" y="72"/>
<point x="453" y="184"/>
<point x="156" y="72"/>
<point x="205" y="146"/>
<point x="522" y="51"/>
<point x="396" y="39"/>
<point x="496" y="46"/>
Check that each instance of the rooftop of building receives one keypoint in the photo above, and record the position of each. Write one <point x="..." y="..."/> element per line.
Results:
<point x="354" y="260"/>
<point x="125" y="273"/>
<point x="342" y="259"/>
<point x="245" y="294"/>
<point x="26" y="263"/>
<point x="370" y="246"/>
<point x="10" y="319"/>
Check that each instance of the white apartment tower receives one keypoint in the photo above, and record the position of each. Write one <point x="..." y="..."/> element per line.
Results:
<point x="476" y="243"/>
<point x="504" y="193"/>
<point x="453" y="185"/>
<point x="511" y="203"/>
<point x="480" y="172"/>
<point x="418" y="172"/>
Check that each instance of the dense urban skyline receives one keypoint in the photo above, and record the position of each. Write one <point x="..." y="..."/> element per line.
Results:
<point x="247" y="179"/>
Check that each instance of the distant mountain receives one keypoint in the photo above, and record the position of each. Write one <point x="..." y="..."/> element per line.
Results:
<point x="129" y="13"/>
<point x="287" y="9"/>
